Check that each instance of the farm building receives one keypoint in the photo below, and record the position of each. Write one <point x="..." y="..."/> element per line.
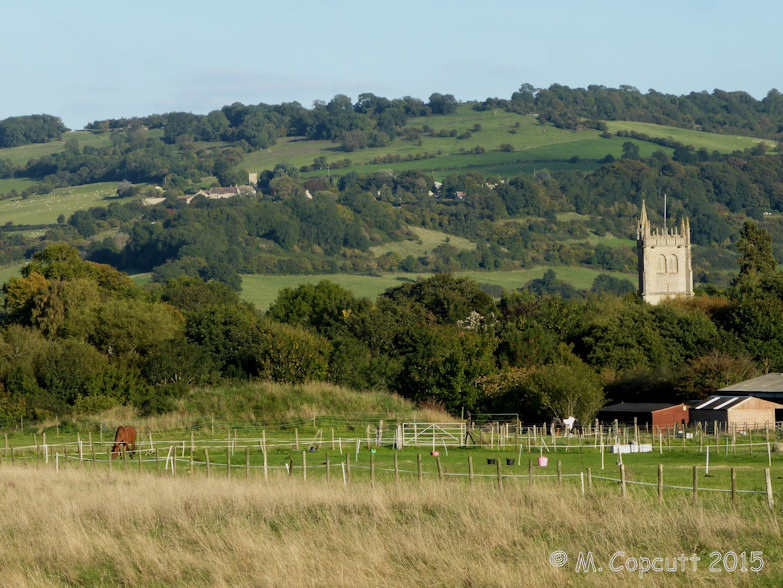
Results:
<point x="661" y="415"/>
<point x="768" y="387"/>
<point x="742" y="412"/>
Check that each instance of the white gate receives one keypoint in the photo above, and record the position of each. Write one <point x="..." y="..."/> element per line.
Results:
<point x="433" y="434"/>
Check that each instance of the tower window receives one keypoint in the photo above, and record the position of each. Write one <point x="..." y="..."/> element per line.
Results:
<point x="661" y="264"/>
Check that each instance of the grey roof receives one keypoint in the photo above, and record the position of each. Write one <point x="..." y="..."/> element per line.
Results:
<point x="638" y="406"/>
<point x="766" y="383"/>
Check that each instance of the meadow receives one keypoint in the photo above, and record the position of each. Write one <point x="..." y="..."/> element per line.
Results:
<point x="46" y="208"/>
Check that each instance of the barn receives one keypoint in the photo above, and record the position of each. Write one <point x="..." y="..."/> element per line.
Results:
<point x="767" y="387"/>
<point x="740" y="412"/>
<point x="663" y="415"/>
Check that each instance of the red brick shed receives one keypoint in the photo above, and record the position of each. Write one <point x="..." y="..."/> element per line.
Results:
<point x="661" y="415"/>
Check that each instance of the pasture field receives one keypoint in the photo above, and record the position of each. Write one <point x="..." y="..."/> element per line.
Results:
<point x="87" y="524"/>
<point x="426" y="242"/>
<point x="24" y="153"/>
<point x="263" y="290"/>
<point x="8" y="272"/>
<point x="709" y="141"/>
<point x="45" y="208"/>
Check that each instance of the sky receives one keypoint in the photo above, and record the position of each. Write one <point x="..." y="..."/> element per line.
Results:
<point x="89" y="60"/>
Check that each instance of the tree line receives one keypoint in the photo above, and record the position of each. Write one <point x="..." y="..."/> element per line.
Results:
<point x="736" y="113"/>
<point x="78" y="336"/>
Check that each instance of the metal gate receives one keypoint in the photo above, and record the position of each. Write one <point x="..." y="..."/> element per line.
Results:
<point x="433" y="434"/>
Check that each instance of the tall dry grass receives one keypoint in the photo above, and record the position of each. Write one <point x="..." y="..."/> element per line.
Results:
<point x="82" y="528"/>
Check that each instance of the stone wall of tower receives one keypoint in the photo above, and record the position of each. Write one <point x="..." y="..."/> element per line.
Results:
<point x="664" y="261"/>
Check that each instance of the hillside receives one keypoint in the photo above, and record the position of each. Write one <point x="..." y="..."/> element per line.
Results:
<point x="402" y="187"/>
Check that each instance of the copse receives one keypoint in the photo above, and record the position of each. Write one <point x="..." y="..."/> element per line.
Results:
<point x="36" y="128"/>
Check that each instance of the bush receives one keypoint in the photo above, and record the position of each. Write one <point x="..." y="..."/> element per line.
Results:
<point x="291" y="354"/>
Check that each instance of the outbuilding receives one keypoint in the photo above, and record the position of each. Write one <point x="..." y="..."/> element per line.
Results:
<point x="659" y="415"/>
<point x="736" y="412"/>
<point x="767" y="387"/>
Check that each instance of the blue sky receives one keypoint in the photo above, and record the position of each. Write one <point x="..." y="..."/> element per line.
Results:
<point x="89" y="60"/>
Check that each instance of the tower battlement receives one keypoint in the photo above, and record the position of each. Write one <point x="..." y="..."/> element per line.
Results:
<point x="664" y="260"/>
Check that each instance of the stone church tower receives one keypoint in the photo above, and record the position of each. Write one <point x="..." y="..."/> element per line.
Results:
<point x="664" y="260"/>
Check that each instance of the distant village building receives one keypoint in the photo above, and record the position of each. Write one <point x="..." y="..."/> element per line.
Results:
<point x="664" y="260"/>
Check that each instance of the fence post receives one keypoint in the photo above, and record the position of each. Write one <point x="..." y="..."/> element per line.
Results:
<point x="768" y="480"/>
<point x="206" y="460"/>
<point x="440" y="470"/>
<point x="266" y="473"/>
<point x="157" y="462"/>
<point x="733" y="487"/>
<point x="590" y="480"/>
<point x="328" y="469"/>
<point x="418" y="465"/>
<point x="622" y="480"/>
<point x="138" y="458"/>
<point x="559" y="473"/>
<point x="304" y="465"/>
<point x="695" y="485"/>
<point x="372" y="468"/>
<point x="247" y="463"/>
<point x="228" y="459"/>
<point x="660" y="483"/>
<point x="396" y="469"/>
<point x="348" y="466"/>
<point x="529" y="472"/>
<point x="93" y="457"/>
<point x="296" y="439"/>
<point x="108" y="457"/>
<point x="500" y="475"/>
<point x="124" y="459"/>
<point x="470" y="469"/>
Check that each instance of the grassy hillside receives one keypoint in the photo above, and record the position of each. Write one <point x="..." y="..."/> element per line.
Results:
<point x="545" y="145"/>
<point x="45" y="208"/>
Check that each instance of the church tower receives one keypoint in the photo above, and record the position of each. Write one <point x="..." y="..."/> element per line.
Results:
<point x="664" y="260"/>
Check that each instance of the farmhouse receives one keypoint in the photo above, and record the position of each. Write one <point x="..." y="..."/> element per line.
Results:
<point x="230" y="192"/>
<point x="659" y="415"/>
<point x="739" y="412"/>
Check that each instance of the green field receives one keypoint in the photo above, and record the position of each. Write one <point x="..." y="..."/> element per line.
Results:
<point x="426" y="242"/>
<point x="263" y="290"/>
<point x="698" y="139"/>
<point x="45" y="208"/>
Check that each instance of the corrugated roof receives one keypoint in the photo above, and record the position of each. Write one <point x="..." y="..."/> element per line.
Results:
<point x="727" y="402"/>
<point x="721" y="402"/>
<point x="766" y="383"/>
